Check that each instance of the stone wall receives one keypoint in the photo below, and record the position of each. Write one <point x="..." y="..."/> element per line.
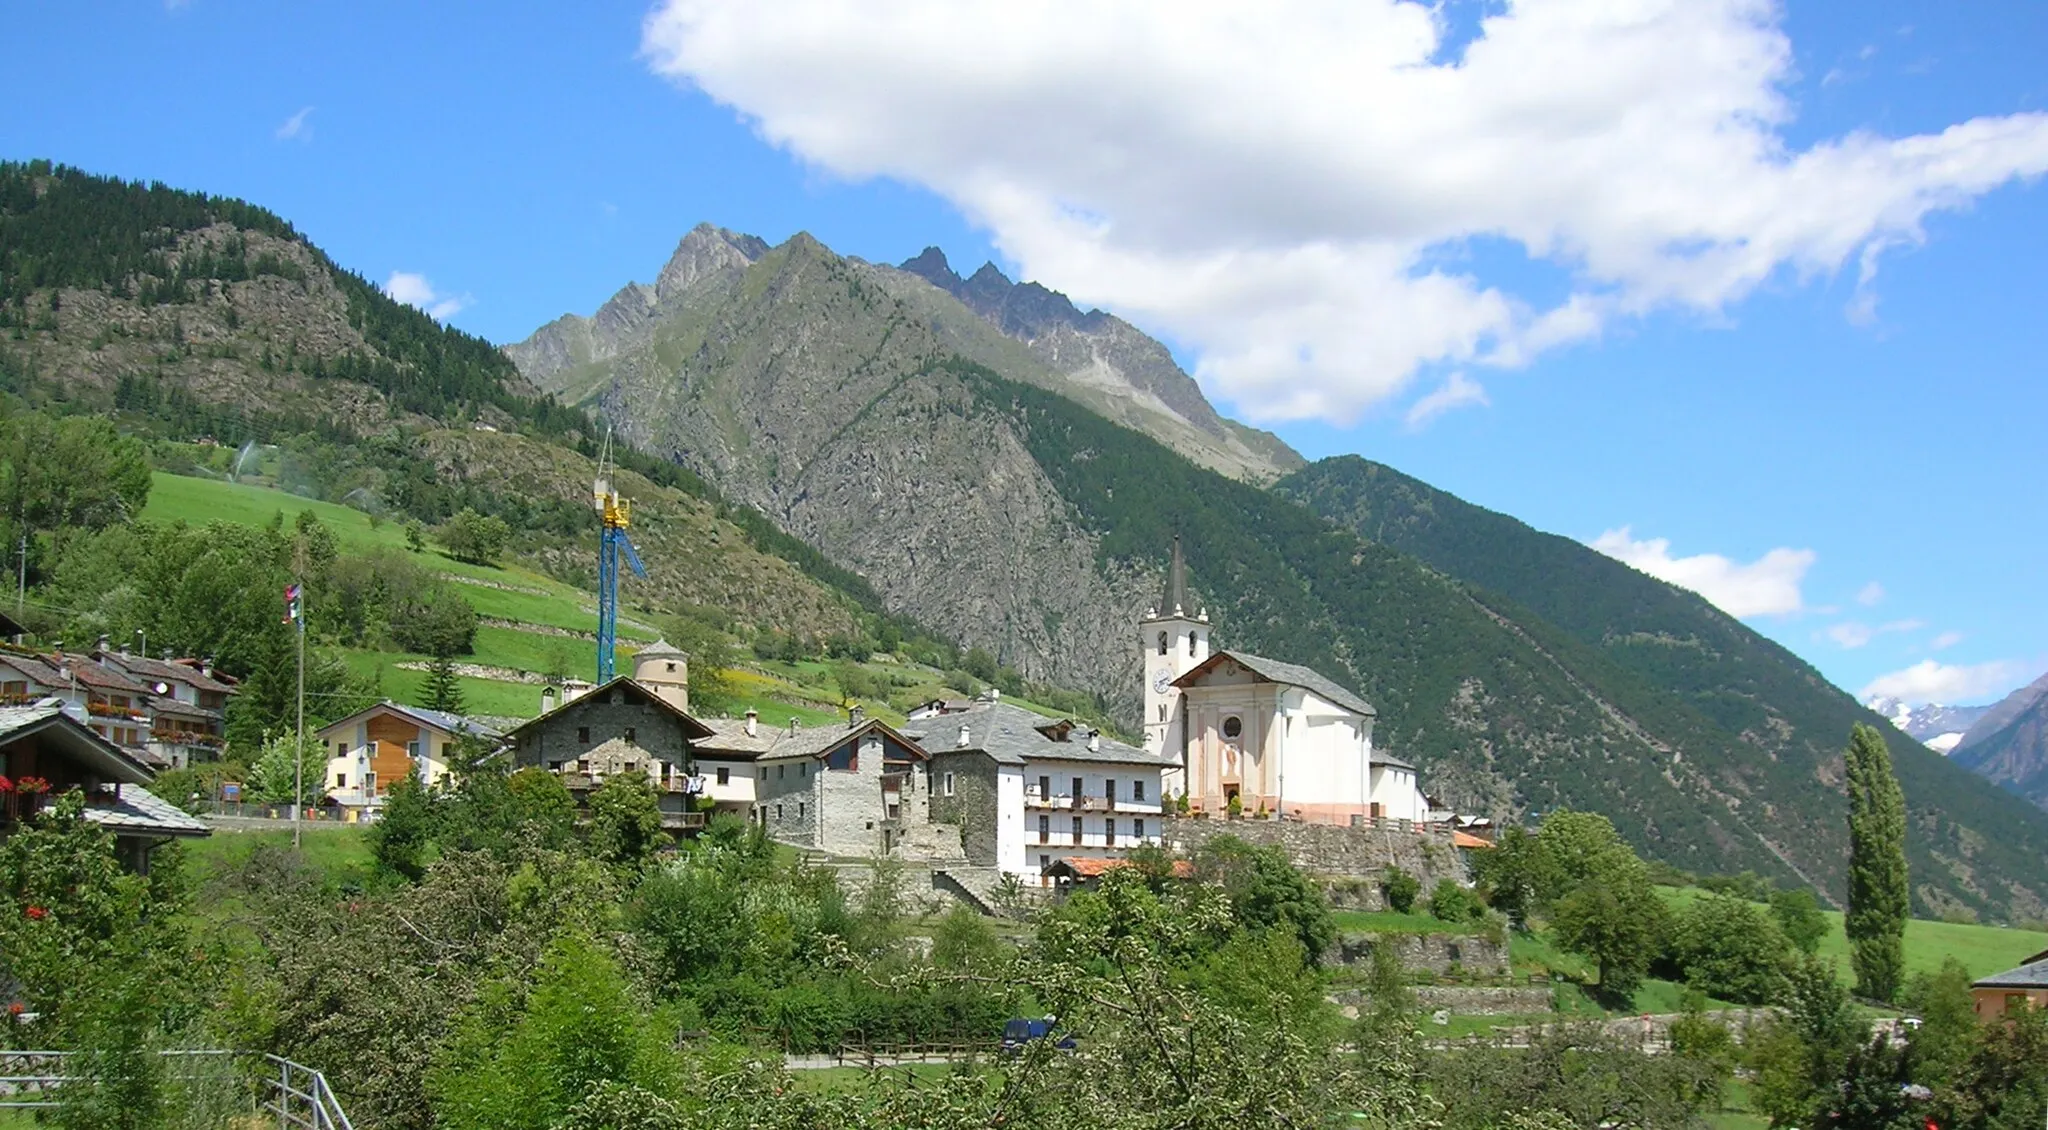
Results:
<point x="1437" y="953"/>
<point x="1463" y="1000"/>
<point x="973" y="803"/>
<point x="1336" y="850"/>
<point x="593" y="720"/>
<point x="786" y="796"/>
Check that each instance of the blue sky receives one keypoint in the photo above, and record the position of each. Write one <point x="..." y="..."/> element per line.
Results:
<point x="1679" y="343"/>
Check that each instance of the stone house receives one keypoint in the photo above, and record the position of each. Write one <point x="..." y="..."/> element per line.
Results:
<point x="1028" y="791"/>
<point x="623" y="726"/>
<point x="856" y="789"/>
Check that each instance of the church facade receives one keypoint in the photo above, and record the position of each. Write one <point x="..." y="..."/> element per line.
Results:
<point x="1275" y="737"/>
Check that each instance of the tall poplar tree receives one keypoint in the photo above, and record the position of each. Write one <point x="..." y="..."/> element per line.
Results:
<point x="1878" y="897"/>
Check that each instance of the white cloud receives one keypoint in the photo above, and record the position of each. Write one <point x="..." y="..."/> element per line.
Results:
<point x="414" y="290"/>
<point x="1290" y="187"/>
<point x="1768" y="586"/>
<point x="1870" y="594"/>
<point x="1852" y="634"/>
<point x="1928" y="681"/>
<point x="1457" y="391"/>
<point x="298" y="127"/>
<point x="1946" y="640"/>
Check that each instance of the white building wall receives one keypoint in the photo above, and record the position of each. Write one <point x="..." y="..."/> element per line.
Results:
<point x="739" y="786"/>
<point x="1010" y="821"/>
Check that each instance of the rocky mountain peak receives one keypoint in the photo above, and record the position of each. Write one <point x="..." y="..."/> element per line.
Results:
<point x="706" y="250"/>
<point x="931" y="266"/>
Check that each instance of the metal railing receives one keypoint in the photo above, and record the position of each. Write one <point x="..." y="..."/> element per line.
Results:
<point x="296" y="1095"/>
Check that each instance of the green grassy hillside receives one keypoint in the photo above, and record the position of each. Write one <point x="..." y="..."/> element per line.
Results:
<point x="535" y="625"/>
<point x="1983" y="950"/>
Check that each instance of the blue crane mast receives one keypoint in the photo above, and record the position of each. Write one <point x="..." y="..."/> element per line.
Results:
<point x="614" y="515"/>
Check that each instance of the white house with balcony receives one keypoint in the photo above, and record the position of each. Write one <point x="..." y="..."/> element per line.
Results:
<point x="1028" y="791"/>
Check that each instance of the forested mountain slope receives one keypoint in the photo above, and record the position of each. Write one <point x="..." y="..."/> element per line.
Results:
<point x="1016" y="518"/>
<point x="1765" y="713"/>
<point x="2009" y="744"/>
<point x="194" y="317"/>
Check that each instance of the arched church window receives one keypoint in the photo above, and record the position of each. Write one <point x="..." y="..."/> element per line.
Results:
<point x="1191" y="643"/>
<point x="1162" y="712"/>
<point x="1233" y="726"/>
<point x="1162" y="643"/>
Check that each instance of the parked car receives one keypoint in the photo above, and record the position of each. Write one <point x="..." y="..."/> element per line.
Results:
<point x="1019" y="1031"/>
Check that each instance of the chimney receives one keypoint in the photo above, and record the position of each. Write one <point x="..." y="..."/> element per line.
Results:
<point x="124" y="649"/>
<point x="105" y="641"/>
<point x="857" y="715"/>
<point x="753" y="721"/>
<point x="793" y="724"/>
<point x="1094" y="741"/>
<point x="547" y="699"/>
<point x="205" y="665"/>
<point x="965" y="736"/>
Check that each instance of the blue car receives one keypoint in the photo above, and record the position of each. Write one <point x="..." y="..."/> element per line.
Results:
<point x="1019" y="1032"/>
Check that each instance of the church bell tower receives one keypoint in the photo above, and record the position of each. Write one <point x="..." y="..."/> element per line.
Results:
<point x="1172" y="640"/>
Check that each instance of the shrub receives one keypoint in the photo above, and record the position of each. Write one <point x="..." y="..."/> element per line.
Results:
<point x="1450" y="902"/>
<point x="1401" y="889"/>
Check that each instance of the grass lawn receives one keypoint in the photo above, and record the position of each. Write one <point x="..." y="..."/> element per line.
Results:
<point x="1983" y="950"/>
<point x="479" y="696"/>
<point x="830" y="1080"/>
<point x="1395" y="922"/>
<point x="340" y="852"/>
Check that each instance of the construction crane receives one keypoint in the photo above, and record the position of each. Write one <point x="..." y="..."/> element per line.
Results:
<point x="614" y="515"/>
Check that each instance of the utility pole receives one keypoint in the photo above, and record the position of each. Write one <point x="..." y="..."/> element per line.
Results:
<point x="295" y="615"/>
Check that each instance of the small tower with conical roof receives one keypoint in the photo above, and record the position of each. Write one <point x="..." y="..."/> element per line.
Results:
<point x="663" y="669"/>
<point x="1172" y="640"/>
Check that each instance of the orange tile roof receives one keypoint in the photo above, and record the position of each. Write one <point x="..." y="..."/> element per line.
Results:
<point x="1468" y="840"/>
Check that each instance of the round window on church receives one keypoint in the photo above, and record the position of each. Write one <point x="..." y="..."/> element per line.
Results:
<point x="1233" y="726"/>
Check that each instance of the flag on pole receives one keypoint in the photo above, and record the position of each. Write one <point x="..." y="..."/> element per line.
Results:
<point x="294" y="612"/>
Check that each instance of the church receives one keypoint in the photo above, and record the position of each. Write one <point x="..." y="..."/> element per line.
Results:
<point x="1278" y="738"/>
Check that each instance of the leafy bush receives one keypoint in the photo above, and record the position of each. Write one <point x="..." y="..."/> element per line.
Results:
<point x="1400" y="888"/>
<point x="1449" y="902"/>
<point x="1731" y="948"/>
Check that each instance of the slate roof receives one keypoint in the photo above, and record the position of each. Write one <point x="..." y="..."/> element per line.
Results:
<point x="694" y="727"/>
<point x="78" y="740"/>
<point x="1379" y="758"/>
<point x="438" y="719"/>
<point x="729" y="739"/>
<point x="1010" y="736"/>
<point x="2033" y="975"/>
<point x="34" y="668"/>
<point x="163" y="670"/>
<point x="1292" y="674"/>
<point x="137" y="811"/>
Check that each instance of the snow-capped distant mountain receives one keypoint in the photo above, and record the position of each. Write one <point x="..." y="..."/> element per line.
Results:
<point x="1932" y="724"/>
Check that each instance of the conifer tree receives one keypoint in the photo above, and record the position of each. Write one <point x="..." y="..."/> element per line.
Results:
<point x="1878" y="895"/>
<point x="441" y="691"/>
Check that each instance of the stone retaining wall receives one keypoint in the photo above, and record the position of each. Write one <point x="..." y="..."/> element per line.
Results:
<point x="1461" y="1000"/>
<point x="1437" y="953"/>
<point x="1336" y="851"/>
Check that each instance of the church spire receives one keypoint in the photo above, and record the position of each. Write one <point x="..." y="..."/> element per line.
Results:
<point x="1176" y="585"/>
